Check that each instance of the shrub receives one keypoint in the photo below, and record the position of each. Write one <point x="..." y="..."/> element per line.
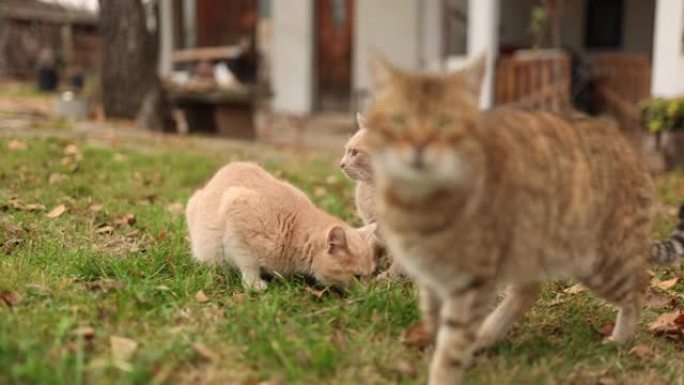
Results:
<point x="660" y="114"/>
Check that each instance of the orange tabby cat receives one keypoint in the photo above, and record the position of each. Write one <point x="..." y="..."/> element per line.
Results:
<point x="470" y="200"/>
<point x="356" y="165"/>
<point x="260" y="224"/>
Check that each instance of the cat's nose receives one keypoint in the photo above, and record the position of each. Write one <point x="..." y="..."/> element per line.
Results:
<point x="418" y="161"/>
<point x="342" y="164"/>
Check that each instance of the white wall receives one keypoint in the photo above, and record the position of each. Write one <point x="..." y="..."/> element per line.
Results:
<point x="292" y="69"/>
<point x="431" y="34"/>
<point x="668" y="50"/>
<point x="391" y="27"/>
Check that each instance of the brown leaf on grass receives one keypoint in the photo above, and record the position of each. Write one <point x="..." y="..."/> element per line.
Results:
<point x="122" y="348"/>
<point x="669" y="325"/>
<point x="176" y="208"/>
<point x="205" y="352"/>
<point x="105" y="230"/>
<point x="127" y="219"/>
<point x="34" y="207"/>
<point x="105" y="285"/>
<point x="71" y="149"/>
<point x="201" y="297"/>
<point x="607" y="329"/>
<point x="95" y="208"/>
<point x="664" y="285"/>
<point x="56" y="178"/>
<point x="10" y="298"/>
<point x="239" y="297"/>
<point x="160" y="237"/>
<point x="657" y="301"/>
<point x="320" y="191"/>
<point x="575" y="289"/>
<point x="16" y="144"/>
<point x="87" y="332"/>
<point x="316" y="293"/>
<point x="57" y="211"/>
<point x="9" y="245"/>
<point x="642" y="351"/>
<point x="415" y="336"/>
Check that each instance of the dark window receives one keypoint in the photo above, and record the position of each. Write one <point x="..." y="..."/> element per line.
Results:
<point x="604" y="24"/>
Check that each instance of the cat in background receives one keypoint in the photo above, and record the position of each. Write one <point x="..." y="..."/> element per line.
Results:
<point x="356" y="165"/>
<point x="246" y="217"/>
<point x="470" y="200"/>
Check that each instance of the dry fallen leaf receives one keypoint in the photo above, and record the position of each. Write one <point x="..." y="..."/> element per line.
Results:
<point x="670" y="325"/>
<point x="575" y="289"/>
<point x="86" y="332"/>
<point x="317" y="293"/>
<point x="57" y="211"/>
<point x="105" y="285"/>
<point x="205" y="352"/>
<point x="127" y="219"/>
<point x="122" y="348"/>
<point x="96" y="208"/>
<point x="201" y="297"/>
<point x="239" y="297"/>
<point x="34" y="207"/>
<point x="160" y="237"/>
<point x="176" y="208"/>
<point x="10" y="298"/>
<point x="16" y="145"/>
<point x="607" y="329"/>
<point x="655" y="300"/>
<point x="57" y="178"/>
<point x="664" y="285"/>
<point x="415" y="336"/>
<point x="320" y="191"/>
<point x="642" y="351"/>
<point x="105" y="230"/>
<point x="71" y="149"/>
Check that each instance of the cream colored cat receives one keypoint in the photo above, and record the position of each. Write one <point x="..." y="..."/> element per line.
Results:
<point x="356" y="164"/>
<point x="469" y="201"/>
<point x="246" y="217"/>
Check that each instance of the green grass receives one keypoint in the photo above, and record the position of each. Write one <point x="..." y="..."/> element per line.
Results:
<point x="138" y="281"/>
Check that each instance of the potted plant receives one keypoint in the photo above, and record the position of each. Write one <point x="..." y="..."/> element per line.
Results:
<point x="664" y="118"/>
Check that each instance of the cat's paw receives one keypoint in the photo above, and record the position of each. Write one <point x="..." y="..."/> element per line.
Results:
<point x="256" y="285"/>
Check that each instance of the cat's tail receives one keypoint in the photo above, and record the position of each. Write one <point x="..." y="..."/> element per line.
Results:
<point x="672" y="249"/>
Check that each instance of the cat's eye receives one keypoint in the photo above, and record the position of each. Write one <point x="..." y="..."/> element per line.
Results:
<point x="399" y="120"/>
<point x="443" y="122"/>
<point x="354" y="152"/>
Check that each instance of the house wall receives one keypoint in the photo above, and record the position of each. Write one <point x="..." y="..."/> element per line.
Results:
<point x="292" y="76"/>
<point x="668" y="53"/>
<point x="397" y="37"/>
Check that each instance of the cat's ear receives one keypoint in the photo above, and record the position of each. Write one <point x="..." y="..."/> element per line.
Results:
<point x="472" y="76"/>
<point x="336" y="238"/>
<point x="369" y="231"/>
<point x="361" y="120"/>
<point x="381" y="72"/>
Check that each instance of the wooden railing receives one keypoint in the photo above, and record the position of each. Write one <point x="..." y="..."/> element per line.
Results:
<point x="538" y="80"/>
<point x="622" y="81"/>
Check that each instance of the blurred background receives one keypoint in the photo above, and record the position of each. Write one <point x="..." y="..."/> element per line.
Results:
<point x="295" y="71"/>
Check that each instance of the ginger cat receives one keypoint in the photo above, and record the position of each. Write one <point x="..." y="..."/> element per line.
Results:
<point x="468" y="201"/>
<point x="246" y="217"/>
<point x="356" y="165"/>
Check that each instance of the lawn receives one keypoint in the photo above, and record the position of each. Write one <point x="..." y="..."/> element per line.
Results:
<point x="97" y="286"/>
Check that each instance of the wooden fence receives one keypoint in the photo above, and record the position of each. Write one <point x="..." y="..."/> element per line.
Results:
<point x="622" y="81"/>
<point x="539" y="80"/>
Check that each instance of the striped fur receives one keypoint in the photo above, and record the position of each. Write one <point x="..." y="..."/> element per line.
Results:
<point x="672" y="249"/>
<point x="470" y="201"/>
